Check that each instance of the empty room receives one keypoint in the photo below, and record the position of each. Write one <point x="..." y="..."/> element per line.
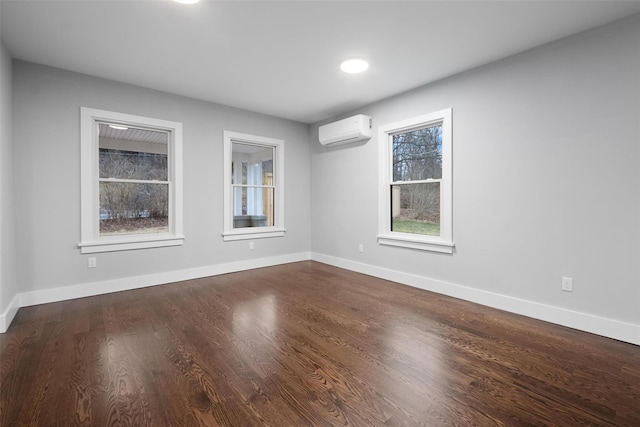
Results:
<point x="319" y="213"/>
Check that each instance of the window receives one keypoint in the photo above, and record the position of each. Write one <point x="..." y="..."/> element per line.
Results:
<point x="131" y="192"/>
<point x="415" y="183"/>
<point x="253" y="187"/>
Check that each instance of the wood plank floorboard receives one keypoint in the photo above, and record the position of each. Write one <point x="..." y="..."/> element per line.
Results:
<point x="305" y="344"/>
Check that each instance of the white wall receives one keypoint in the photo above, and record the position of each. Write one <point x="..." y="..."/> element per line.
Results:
<point x="546" y="183"/>
<point x="8" y="283"/>
<point x="46" y="134"/>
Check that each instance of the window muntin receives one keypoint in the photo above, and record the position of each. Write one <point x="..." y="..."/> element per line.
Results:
<point x="131" y="192"/>
<point x="415" y="183"/>
<point x="253" y="187"/>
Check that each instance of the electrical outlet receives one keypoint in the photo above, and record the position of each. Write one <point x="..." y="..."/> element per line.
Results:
<point x="360" y="248"/>
<point x="567" y="284"/>
<point x="92" y="262"/>
<point x="251" y="246"/>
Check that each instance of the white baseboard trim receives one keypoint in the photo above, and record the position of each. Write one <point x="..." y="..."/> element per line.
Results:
<point x="7" y="317"/>
<point x="610" y="328"/>
<point x="128" y="283"/>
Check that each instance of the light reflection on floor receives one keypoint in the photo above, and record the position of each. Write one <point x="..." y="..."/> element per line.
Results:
<point x="413" y="351"/>
<point x="255" y="324"/>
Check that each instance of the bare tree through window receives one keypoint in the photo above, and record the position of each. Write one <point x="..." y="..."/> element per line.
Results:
<point x="415" y="188"/>
<point x="134" y="187"/>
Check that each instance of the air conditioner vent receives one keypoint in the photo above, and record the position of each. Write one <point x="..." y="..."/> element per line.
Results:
<point x="352" y="129"/>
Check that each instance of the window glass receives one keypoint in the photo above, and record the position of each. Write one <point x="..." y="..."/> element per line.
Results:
<point x="417" y="155"/>
<point x="129" y="154"/>
<point x="133" y="208"/>
<point x="253" y="186"/>
<point x="132" y="153"/>
<point x="415" y="208"/>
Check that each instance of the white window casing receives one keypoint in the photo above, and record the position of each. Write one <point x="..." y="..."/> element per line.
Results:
<point x="444" y="242"/>
<point x="231" y="204"/>
<point x="90" y="239"/>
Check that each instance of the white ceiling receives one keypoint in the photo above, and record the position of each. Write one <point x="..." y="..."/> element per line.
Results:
<point x="282" y="57"/>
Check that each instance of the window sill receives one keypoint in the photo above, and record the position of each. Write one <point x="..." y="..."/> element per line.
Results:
<point x="252" y="233"/>
<point x="415" y="242"/>
<point x="145" y="242"/>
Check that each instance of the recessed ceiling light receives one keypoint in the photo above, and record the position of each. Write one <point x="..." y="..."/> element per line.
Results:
<point x="118" y="127"/>
<point x="186" y="1"/>
<point x="354" y="66"/>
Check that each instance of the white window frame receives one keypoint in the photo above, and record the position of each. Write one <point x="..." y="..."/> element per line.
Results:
<point x="444" y="242"/>
<point x="90" y="239"/>
<point x="277" y="230"/>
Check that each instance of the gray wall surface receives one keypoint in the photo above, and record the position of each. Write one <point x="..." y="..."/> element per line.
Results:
<point x="8" y="281"/>
<point x="546" y="177"/>
<point x="46" y="133"/>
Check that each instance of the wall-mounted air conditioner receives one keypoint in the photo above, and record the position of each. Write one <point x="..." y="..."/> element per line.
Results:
<point x="352" y="129"/>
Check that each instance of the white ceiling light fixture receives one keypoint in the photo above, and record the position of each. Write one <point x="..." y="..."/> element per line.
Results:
<point x="354" y="66"/>
<point x="118" y="127"/>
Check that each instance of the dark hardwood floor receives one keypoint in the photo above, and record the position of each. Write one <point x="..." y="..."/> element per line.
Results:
<point x="305" y="344"/>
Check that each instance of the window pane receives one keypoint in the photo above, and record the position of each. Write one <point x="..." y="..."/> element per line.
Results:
<point x="415" y="208"/>
<point x="251" y="164"/>
<point x="132" y="208"/>
<point x="257" y="207"/>
<point x="417" y="155"/>
<point x="132" y="153"/>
